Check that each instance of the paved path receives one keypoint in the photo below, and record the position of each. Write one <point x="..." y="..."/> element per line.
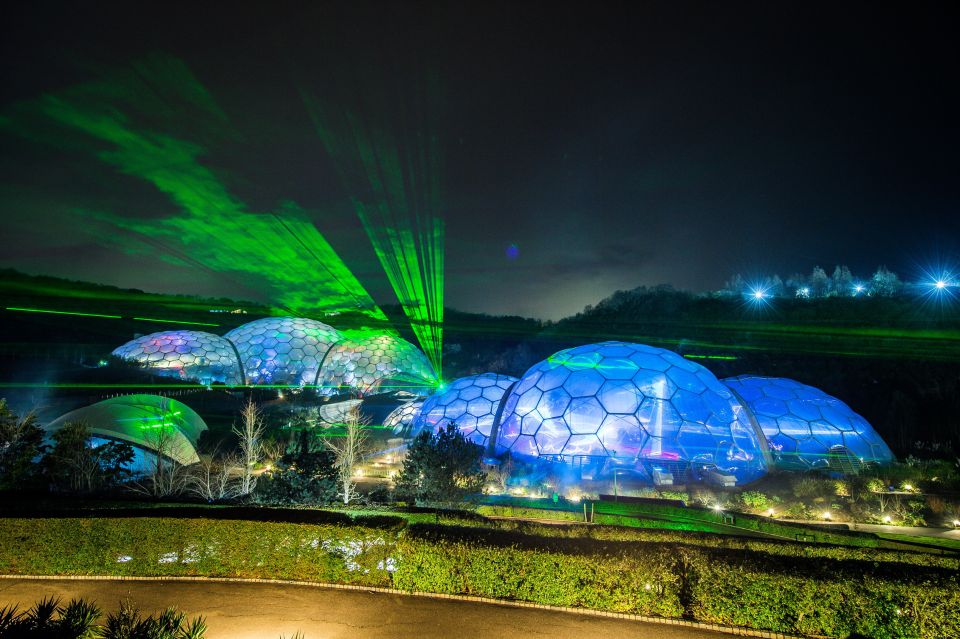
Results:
<point x="946" y="533"/>
<point x="247" y="610"/>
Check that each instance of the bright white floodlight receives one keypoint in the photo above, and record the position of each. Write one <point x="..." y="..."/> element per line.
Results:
<point x="940" y="284"/>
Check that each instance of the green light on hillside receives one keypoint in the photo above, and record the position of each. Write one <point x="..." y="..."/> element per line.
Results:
<point x="53" y="312"/>
<point x="166" y="321"/>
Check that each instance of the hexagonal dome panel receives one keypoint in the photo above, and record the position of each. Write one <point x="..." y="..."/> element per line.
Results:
<point x="188" y="355"/>
<point x="633" y="406"/>
<point x="283" y="350"/>
<point x="362" y="365"/>
<point x="469" y="402"/>
<point x="400" y="419"/>
<point x="806" y="428"/>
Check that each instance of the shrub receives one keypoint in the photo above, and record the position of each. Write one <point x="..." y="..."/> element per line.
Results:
<point x="756" y="500"/>
<point x="713" y="585"/>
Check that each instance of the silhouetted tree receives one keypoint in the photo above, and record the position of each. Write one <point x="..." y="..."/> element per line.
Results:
<point x="21" y="442"/>
<point x="885" y="282"/>
<point x="74" y="464"/>
<point x="441" y="467"/>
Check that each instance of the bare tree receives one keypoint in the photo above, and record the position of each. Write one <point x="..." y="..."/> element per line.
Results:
<point x="499" y="475"/>
<point x="250" y="431"/>
<point x="167" y="476"/>
<point x="348" y="450"/>
<point x="214" y="479"/>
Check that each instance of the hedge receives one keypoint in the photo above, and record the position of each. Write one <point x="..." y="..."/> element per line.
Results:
<point x="690" y="514"/>
<point x="796" y="588"/>
<point x="619" y="529"/>
<point x="208" y="547"/>
<point x="714" y="585"/>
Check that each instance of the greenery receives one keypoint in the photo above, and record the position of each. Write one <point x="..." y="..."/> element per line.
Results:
<point x="172" y="546"/>
<point x="305" y="475"/>
<point x="74" y="465"/>
<point x="47" y="619"/>
<point x="21" y="441"/>
<point x="441" y="467"/>
<point x="786" y="594"/>
<point x="793" y="587"/>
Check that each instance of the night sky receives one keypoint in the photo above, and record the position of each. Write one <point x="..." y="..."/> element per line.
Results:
<point x="587" y="147"/>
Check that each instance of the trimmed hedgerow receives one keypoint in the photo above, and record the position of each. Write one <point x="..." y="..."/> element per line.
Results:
<point x="214" y="548"/>
<point x="616" y="532"/>
<point x="787" y="587"/>
<point x="808" y="595"/>
<point x="554" y="571"/>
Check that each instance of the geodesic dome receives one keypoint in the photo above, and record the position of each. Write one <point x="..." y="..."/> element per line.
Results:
<point x="363" y="364"/>
<point x="282" y="350"/>
<point x="469" y="402"/>
<point x="400" y="419"/>
<point x="632" y="406"/>
<point x="807" y="428"/>
<point x="188" y="355"/>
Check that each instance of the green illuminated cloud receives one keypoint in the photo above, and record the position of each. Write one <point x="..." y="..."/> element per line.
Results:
<point x="280" y="251"/>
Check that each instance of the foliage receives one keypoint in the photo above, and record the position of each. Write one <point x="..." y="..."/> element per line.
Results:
<point x="304" y="476"/>
<point x="47" y="618"/>
<point x="75" y="465"/>
<point x="756" y="500"/>
<point x="129" y="623"/>
<point x="172" y="546"/>
<point x="786" y="594"/>
<point x="441" y="467"/>
<point x="792" y="587"/>
<point x="21" y="441"/>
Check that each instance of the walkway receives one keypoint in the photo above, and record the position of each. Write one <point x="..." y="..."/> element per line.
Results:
<point x="248" y="610"/>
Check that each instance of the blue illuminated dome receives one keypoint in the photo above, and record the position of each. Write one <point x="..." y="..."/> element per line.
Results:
<point x="400" y="419"/>
<point x="371" y="363"/>
<point x="632" y="406"/>
<point x="469" y="402"/>
<point x="282" y="350"/>
<point x="805" y="428"/>
<point x="188" y="355"/>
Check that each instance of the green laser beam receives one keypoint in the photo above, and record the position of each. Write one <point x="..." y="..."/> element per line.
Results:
<point x="394" y="188"/>
<point x="167" y="321"/>
<point x="53" y="312"/>
<point x="83" y="385"/>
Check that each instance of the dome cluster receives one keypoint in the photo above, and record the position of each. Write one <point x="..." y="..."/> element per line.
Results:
<point x="370" y="361"/>
<point x="472" y="402"/>
<point x="652" y="413"/>
<point x="193" y="355"/>
<point x="805" y="428"/>
<point x="400" y="419"/>
<point x="284" y="351"/>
